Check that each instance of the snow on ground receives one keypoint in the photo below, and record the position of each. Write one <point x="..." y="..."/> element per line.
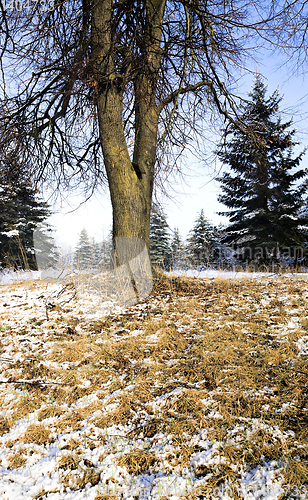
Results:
<point x="213" y="273"/>
<point x="8" y="276"/>
<point x="40" y="324"/>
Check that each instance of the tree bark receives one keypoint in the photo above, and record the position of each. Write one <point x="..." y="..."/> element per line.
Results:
<point x="130" y="180"/>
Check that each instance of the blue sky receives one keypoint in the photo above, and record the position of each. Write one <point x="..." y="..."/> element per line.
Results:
<point x="199" y="189"/>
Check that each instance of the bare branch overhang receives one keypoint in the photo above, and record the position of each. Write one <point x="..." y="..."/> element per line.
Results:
<point x="185" y="90"/>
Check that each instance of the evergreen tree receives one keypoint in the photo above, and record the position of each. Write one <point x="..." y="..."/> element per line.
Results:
<point x="83" y="257"/>
<point x="262" y="189"/>
<point x="106" y="253"/>
<point x="223" y="255"/>
<point x="47" y="254"/>
<point x="100" y="254"/>
<point x="177" y="250"/>
<point x="21" y="213"/>
<point x="95" y="254"/>
<point x="201" y="242"/>
<point x="160" y="252"/>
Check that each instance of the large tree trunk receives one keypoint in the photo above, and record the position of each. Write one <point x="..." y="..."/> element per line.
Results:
<point x="130" y="180"/>
<point x="130" y="183"/>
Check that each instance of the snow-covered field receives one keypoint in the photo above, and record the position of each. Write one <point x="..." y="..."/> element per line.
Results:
<point x="199" y="391"/>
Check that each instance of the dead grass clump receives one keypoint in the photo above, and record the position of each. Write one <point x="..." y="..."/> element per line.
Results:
<point x="71" y="351"/>
<point x="251" y="454"/>
<point x="102" y="422"/>
<point x="171" y="339"/>
<point x="43" y="493"/>
<point x="68" y="480"/>
<point x="218" y="428"/>
<point x="296" y="420"/>
<point x="70" y="422"/>
<point x="50" y="411"/>
<point x="149" y="429"/>
<point x="304" y="323"/>
<point x="231" y="453"/>
<point x="116" y="385"/>
<point x="68" y="462"/>
<point x="120" y="362"/>
<point x="131" y="349"/>
<point x="202" y="471"/>
<point x="76" y="393"/>
<point x="181" y="457"/>
<point x="221" y="474"/>
<point x="37" y="434"/>
<point x="96" y="327"/>
<point x="137" y="462"/>
<point x="187" y="403"/>
<point x="193" y="370"/>
<point x="17" y="460"/>
<point x="296" y="472"/>
<point x="105" y="497"/>
<point x="128" y="406"/>
<point x="238" y="405"/>
<point x="57" y="395"/>
<point x="87" y="411"/>
<point x="181" y="286"/>
<point x="101" y="394"/>
<point x="11" y="442"/>
<point x="90" y="476"/>
<point x="24" y="406"/>
<point x="69" y="377"/>
<point x="182" y="425"/>
<point x="73" y="444"/>
<point x="33" y="371"/>
<point x="142" y="392"/>
<point x="97" y="376"/>
<point x="5" y="425"/>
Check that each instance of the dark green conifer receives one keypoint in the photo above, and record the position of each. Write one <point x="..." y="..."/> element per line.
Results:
<point x="160" y="252"/>
<point x="177" y="250"/>
<point x="83" y="256"/>
<point x="262" y="188"/>
<point x="201" y="242"/>
<point x="21" y="213"/>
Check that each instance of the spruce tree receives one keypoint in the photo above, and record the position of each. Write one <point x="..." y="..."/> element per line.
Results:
<point x="160" y="252"/>
<point x="201" y="242"/>
<point x="106" y="253"/>
<point x="21" y="213"/>
<point x="262" y="188"/>
<point x="177" y="250"/>
<point x="95" y="254"/>
<point x="83" y="258"/>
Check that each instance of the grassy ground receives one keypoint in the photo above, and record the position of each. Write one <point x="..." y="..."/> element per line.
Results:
<point x="204" y="381"/>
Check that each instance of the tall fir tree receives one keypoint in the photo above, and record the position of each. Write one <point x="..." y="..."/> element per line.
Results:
<point x="95" y="254"/>
<point x="107" y="253"/>
<point x="21" y="213"/>
<point x="160" y="251"/>
<point x="83" y="255"/>
<point x="201" y="242"/>
<point x="177" y="250"/>
<point x="263" y="189"/>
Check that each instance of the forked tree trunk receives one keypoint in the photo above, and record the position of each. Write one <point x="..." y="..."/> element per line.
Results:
<point x="130" y="180"/>
<point x="130" y="183"/>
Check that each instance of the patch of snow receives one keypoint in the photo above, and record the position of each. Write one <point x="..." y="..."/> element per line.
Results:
<point x="302" y="345"/>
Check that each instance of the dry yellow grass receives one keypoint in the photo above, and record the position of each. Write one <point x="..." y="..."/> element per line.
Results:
<point x="212" y="357"/>
<point x="137" y="462"/>
<point x="37" y="434"/>
<point x="17" y="460"/>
